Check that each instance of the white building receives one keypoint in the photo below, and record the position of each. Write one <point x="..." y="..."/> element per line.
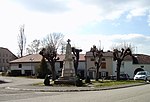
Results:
<point x="106" y="65"/>
<point x="138" y="62"/>
<point x="28" y="65"/>
<point x="131" y="65"/>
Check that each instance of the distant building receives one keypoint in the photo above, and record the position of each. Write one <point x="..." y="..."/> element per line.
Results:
<point x="106" y="65"/>
<point x="5" y="56"/>
<point x="28" y="65"/>
<point x="130" y="65"/>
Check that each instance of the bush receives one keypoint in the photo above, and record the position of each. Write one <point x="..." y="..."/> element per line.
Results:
<point x="87" y="80"/>
<point x="3" y="73"/>
<point x="79" y="82"/>
<point x="43" y="69"/>
<point x="47" y="80"/>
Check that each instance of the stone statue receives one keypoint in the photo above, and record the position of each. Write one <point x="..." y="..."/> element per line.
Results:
<point x="68" y="54"/>
<point x="68" y="71"/>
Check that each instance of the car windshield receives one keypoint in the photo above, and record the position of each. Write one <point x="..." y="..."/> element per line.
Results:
<point x="141" y="73"/>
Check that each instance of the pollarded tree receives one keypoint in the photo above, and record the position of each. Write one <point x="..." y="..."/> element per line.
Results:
<point x="51" y="43"/>
<point x="43" y="69"/>
<point x="76" y="53"/>
<point x="97" y="54"/>
<point x="119" y="56"/>
<point x="51" y="55"/>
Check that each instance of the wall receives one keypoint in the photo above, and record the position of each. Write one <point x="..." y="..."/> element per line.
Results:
<point x="128" y="68"/>
<point x="33" y="66"/>
<point x="25" y="66"/>
<point x="5" y="57"/>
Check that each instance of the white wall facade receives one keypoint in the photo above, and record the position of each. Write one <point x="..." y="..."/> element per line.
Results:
<point x="128" y="67"/>
<point x="25" y="66"/>
<point x="33" y="66"/>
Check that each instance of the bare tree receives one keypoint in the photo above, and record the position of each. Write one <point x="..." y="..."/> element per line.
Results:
<point x="124" y="45"/>
<point x="119" y="56"/>
<point x="97" y="54"/>
<point x="21" y="40"/>
<point x="120" y="51"/>
<point x="51" y="43"/>
<point x="53" y="39"/>
<point x="34" y="47"/>
<point x="63" y="47"/>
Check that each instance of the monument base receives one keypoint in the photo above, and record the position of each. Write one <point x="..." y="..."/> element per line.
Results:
<point x="66" y="80"/>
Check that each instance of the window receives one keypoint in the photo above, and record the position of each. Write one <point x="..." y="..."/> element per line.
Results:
<point x="20" y="66"/>
<point x="103" y="65"/>
<point x="103" y="59"/>
<point x="92" y="59"/>
<point x="6" y="60"/>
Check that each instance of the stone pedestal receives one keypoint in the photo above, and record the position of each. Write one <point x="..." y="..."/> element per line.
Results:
<point x="68" y="71"/>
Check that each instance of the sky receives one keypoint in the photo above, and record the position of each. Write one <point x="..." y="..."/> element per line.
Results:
<point x="85" y="22"/>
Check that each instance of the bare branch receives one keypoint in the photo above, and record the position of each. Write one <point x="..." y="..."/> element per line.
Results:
<point x="21" y="40"/>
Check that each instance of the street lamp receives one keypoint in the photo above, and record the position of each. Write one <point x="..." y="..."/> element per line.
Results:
<point x="31" y="59"/>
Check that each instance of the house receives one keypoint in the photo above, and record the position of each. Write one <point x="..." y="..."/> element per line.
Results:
<point x="28" y="64"/>
<point x="5" y="56"/>
<point x="106" y="66"/>
<point x="132" y="64"/>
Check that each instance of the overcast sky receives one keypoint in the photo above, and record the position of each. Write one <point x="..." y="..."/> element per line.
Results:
<point x="85" y="22"/>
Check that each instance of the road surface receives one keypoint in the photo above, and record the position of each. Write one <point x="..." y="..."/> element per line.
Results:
<point x="131" y="94"/>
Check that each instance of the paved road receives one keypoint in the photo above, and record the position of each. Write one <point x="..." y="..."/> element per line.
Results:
<point x="14" y="81"/>
<point x="131" y="94"/>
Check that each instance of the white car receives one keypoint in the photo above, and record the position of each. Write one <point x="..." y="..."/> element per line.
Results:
<point x="142" y="75"/>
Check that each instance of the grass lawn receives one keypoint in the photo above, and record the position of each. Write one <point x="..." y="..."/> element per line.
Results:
<point x="106" y="83"/>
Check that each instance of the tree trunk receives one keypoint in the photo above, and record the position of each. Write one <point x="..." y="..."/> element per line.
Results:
<point x="53" y="70"/>
<point x="76" y="67"/>
<point x="97" y="72"/>
<point x="53" y="73"/>
<point x="118" y="69"/>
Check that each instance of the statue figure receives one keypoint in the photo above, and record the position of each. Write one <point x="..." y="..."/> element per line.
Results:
<point x="68" y="51"/>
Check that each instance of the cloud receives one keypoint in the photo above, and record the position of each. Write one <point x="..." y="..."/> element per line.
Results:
<point x="70" y="17"/>
<point x="85" y="42"/>
<point x="114" y="9"/>
<point x="48" y="6"/>
<point x="89" y="11"/>
<point x="139" y="41"/>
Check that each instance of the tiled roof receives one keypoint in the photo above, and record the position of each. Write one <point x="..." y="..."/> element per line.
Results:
<point x="38" y="57"/>
<point x="106" y="54"/>
<point x="136" y="58"/>
<point x="6" y="49"/>
<point x="139" y="59"/>
<point x="28" y="58"/>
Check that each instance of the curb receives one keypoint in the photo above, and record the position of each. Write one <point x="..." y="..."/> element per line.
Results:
<point x="75" y="90"/>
